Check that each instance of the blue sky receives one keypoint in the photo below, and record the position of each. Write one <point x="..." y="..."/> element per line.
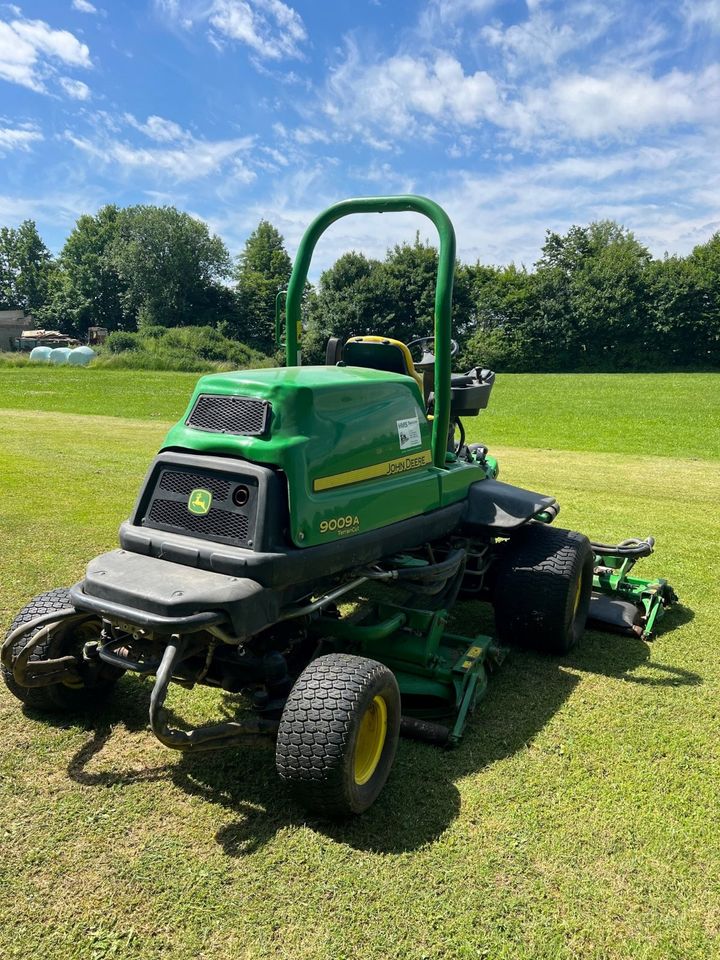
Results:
<point x="516" y="116"/>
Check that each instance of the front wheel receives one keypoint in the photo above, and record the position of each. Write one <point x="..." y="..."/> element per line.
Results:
<point x="60" y="642"/>
<point x="542" y="581"/>
<point x="338" y="734"/>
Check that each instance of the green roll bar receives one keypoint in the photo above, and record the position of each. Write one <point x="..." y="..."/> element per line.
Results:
<point x="443" y="293"/>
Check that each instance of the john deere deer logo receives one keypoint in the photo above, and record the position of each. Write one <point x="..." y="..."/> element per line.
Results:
<point x="199" y="502"/>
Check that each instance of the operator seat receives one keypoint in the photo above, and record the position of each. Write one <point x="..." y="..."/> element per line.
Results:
<point x="381" y="353"/>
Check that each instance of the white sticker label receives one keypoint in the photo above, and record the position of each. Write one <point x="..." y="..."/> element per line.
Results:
<point x="409" y="433"/>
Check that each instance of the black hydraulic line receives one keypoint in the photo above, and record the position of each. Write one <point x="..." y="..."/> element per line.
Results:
<point x="55" y="617"/>
<point x="443" y="570"/>
<point x="627" y="548"/>
<point x="461" y="428"/>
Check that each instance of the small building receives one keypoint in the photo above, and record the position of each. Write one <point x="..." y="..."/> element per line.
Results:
<point x="96" y="336"/>
<point x="12" y="324"/>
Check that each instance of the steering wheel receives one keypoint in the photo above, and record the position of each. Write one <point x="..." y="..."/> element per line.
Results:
<point x="427" y="360"/>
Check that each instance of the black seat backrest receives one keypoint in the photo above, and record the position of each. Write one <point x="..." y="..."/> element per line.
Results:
<point x="379" y="353"/>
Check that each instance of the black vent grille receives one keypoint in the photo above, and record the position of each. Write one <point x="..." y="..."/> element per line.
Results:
<point x="185" y="483"/>
<point x="244" y="416"/>
<point x="232" y="512"/>
<point x="216" y="523"/>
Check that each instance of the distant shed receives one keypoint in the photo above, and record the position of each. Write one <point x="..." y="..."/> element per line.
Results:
<point x="12" y="324"/>
<point x="29" y="339"/>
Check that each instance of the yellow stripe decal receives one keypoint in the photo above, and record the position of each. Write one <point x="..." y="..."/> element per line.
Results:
<point x="387" y="469"/>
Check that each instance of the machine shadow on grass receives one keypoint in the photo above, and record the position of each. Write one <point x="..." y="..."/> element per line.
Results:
<point x="522" y="697"/>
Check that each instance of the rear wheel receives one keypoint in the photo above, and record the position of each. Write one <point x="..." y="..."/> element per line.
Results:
<point x="542" y="581"/>
<point x="63" y="641"/>
<point x="338" y="734"/>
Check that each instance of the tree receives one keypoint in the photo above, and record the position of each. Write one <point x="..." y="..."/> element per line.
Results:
<point x="705" y="266"/>
<point x="394" y="297"/>
<point x="351" y="296"/>
<point x="87" y="290"/>
<point x="508" y="330"/>
<point x="170" y="267"/>
<point x="25" y="268"/>
<point x="595" y="296"/>
<point x="263" y="268"/>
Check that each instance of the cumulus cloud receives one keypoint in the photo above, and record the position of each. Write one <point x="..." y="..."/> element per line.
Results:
<point x="406" y="95"/>
<point x="398" y="93"/>
<point x="29" y="50"/>
<point x="83" y="6"/>
<point x="623" y="102"/>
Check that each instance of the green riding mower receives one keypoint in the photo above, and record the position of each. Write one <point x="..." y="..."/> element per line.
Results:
<point x="280" y="497"/>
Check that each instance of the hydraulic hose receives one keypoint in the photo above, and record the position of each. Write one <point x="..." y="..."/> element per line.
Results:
<point x="444" y="570"/>
<point x="627" y="548"/>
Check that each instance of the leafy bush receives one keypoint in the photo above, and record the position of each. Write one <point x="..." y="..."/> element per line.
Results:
<point x="152" y="331"/>
<point x="191" y="349"/>
<point x="119" y="341"/>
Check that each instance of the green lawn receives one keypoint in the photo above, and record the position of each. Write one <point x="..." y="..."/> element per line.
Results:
<point x="578" y="819"/>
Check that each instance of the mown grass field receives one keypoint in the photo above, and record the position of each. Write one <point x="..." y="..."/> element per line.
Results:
<point x="579" y="819"/>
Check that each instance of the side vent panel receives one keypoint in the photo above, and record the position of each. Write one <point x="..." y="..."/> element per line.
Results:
<point x="242" y="416"/>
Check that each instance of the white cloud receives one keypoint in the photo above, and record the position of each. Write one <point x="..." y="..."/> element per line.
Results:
<point x="28" y="47"/>
<point x="184" y="161"/>
<point x="159" y="129"/>
<point x="75" y="88"/>
<point x="658" y="192"/>
<point x="395" y="94"/>
<point x="14" y="138"/>
<point x="536" y="40"/>
<point x="406" y="96"/>
<point x="272" y="29"/>
<point x="702" y="13"/>
<point x="623" y="103"/>
<point x="83" y="6"/>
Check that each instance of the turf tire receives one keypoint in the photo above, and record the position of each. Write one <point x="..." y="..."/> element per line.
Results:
<point x="318" y="733"/>
<point x="57" y="697"/>
<point x="542" y="581"/>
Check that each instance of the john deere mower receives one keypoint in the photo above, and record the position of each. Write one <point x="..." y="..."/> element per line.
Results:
<point x="300" y="539"/>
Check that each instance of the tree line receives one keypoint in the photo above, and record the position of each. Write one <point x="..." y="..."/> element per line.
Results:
<point x="595" y="300"/>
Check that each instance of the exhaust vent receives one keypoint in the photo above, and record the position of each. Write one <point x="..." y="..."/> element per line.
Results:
<point x="242" y="416"/>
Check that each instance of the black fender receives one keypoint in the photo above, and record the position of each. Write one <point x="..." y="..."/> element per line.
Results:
<point x="497" y="507"/>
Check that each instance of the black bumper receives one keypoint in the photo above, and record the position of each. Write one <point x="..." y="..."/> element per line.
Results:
<point x="168" y="598"/>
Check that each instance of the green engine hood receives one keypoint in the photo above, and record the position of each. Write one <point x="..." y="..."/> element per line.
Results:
<point x="353" y="442"/>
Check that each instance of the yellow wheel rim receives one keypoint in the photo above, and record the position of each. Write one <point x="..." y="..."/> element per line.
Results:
<point x="370" y="740"/>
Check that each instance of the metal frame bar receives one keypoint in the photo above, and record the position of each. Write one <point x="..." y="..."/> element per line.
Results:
<point x="443" y="293"/>
<point x="211" y="737"/>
